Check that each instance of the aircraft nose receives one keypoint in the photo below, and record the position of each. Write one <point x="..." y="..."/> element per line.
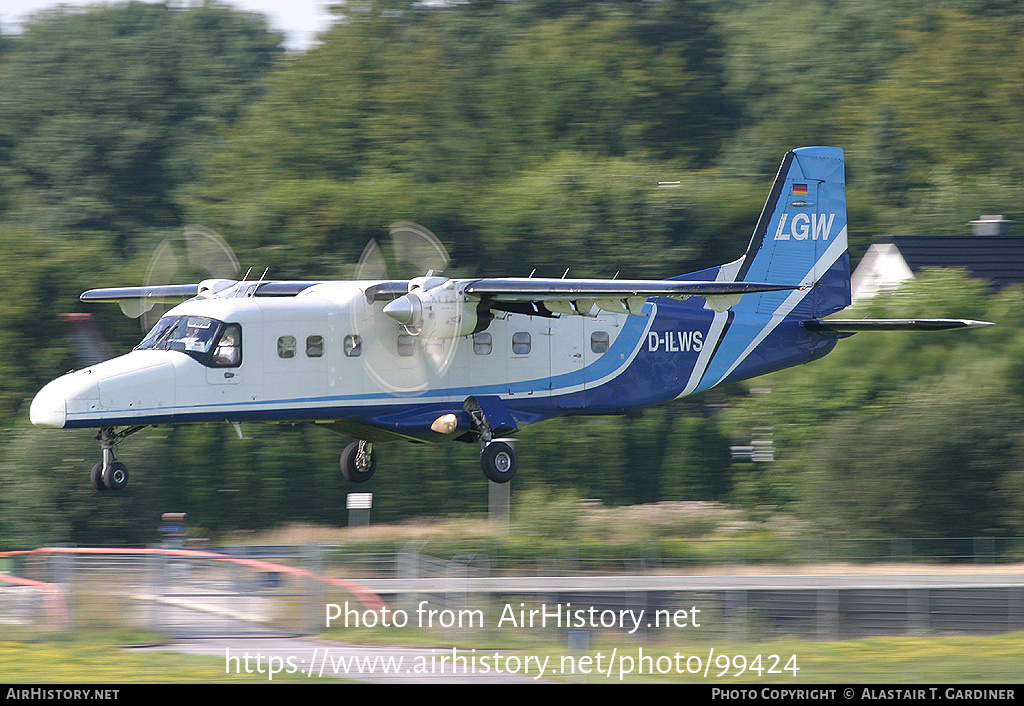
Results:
<point x="49" y="407"/>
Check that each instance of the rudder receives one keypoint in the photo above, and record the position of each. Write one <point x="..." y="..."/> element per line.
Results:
<point x="801" y="237"/>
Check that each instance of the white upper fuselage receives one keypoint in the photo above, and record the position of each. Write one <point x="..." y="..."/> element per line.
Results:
<point x="325" y="350"/>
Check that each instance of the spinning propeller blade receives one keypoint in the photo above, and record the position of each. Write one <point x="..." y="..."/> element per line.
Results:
<point x="396" y="357"/>
<point x="197" y="254"/>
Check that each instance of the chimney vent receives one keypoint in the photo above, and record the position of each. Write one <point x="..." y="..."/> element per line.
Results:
<point x="990" y="225"/>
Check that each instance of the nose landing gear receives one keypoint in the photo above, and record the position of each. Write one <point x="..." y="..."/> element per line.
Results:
<point x="111" y="474"/>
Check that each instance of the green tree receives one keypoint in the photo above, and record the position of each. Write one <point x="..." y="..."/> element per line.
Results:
<point x="931" y="463"/>
<point x="43" y="280"/>
<point x="48" y="499"/>
<point x="475" y="121"/>
<point x="106" y="112"/>
<point x="880" y="435"/>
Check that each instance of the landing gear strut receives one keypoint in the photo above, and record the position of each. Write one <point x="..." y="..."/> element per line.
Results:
<point x="358" y="461"/>
<point x="110" y="474"/>
<point x="497" y="458"/>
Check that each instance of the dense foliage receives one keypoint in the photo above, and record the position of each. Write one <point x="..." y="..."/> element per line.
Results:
<point x="526" y="134"/>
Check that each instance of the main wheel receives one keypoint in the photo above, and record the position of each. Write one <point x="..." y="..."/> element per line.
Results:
<point x="351" y="467"/>
<point x="499" y="462"/>
<point x="115" y="476"/>
<point x="96" y="476"/>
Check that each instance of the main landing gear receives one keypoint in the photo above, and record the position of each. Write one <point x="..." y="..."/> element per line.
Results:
<point x="358" y="461"/>
<point x="111" y="474"/>
<point x="497" y="457"/>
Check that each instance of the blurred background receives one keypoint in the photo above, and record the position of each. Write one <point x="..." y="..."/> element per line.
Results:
<point x="629" y="137"/>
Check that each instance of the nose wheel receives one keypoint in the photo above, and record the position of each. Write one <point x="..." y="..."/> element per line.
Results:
<point x="111" y="474"/>
<point x="358" y="461"/>
<point x="113" y="477"/>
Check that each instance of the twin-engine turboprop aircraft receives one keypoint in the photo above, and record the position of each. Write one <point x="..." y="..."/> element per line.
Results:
<point x="433" y="359"/>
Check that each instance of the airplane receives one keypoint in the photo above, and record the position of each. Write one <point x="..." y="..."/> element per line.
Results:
<point x="432" y="359"/>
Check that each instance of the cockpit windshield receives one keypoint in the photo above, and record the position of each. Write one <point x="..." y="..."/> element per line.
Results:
<point x="199" y="337"/>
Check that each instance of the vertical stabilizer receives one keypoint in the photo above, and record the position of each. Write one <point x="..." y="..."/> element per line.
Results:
<point x="800" y="238"/>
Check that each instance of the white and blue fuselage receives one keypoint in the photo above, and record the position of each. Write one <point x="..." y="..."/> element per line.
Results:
<point x="329" y="353"/>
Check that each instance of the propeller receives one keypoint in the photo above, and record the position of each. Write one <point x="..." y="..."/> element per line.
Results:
<point x="197" y="254"/>
<point x="396" y="356"/>
<point x="413" y="251"/>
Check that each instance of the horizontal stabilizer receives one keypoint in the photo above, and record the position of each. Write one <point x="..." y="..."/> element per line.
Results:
<point x="855" y="325"/>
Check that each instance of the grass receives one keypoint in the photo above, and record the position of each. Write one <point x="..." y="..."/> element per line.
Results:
<point x="671" y="535"/>
<point x="91" y="662"/>
<point x="102" y="658"/>
<point x="899" y="660"/>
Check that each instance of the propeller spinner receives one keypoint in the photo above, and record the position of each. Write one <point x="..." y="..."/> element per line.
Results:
<point x="410" y="341"/>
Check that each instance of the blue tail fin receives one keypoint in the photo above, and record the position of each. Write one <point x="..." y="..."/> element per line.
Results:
<point x="800" y="241"/>
<point x="800" y="238"/>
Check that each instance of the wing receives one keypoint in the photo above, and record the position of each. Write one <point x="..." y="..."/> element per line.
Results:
<point x="134" y="301"/>
<point x="161" y="293"/>
<point x="540" y="297"/>
<point x="578" y="296"/>
<point x="174" y="292"/>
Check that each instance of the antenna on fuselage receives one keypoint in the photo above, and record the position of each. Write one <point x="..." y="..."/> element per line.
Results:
<point x="262" y="277"/>
<point x="565" y="273"/>
<point x="238" y="287"/>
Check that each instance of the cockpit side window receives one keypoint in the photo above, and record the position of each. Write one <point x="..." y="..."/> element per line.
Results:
<point x="228" y="351"/>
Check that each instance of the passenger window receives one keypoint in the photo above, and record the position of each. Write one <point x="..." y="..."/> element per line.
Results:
<point x="482" y="343"/>
<point x="353" y="346"/>
<point x="599" y="341"/>
<point x="434" y="347"/>
<point x="521" y="343"/>
<point x="406" y="345"/>
<point x="286" y="347"/>
<point x="314" y="346"/>
<point x="228" y="352"/>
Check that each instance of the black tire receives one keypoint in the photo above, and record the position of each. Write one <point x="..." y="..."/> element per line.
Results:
<point x="115" y="476"/>
<point x="350" y="470"/>
<point x="499" y="462"/>
<point x="96" y="476"/>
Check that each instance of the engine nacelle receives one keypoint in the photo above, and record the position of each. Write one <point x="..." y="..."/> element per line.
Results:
<point x="211" y="287"/>
<point x="439" y="312"/>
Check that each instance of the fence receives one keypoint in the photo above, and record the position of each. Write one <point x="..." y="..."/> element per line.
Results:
<point x="251" y="591"/>
<point x="177" y="592"/>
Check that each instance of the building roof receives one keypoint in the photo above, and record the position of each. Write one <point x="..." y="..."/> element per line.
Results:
<point x="997" y="258"/>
